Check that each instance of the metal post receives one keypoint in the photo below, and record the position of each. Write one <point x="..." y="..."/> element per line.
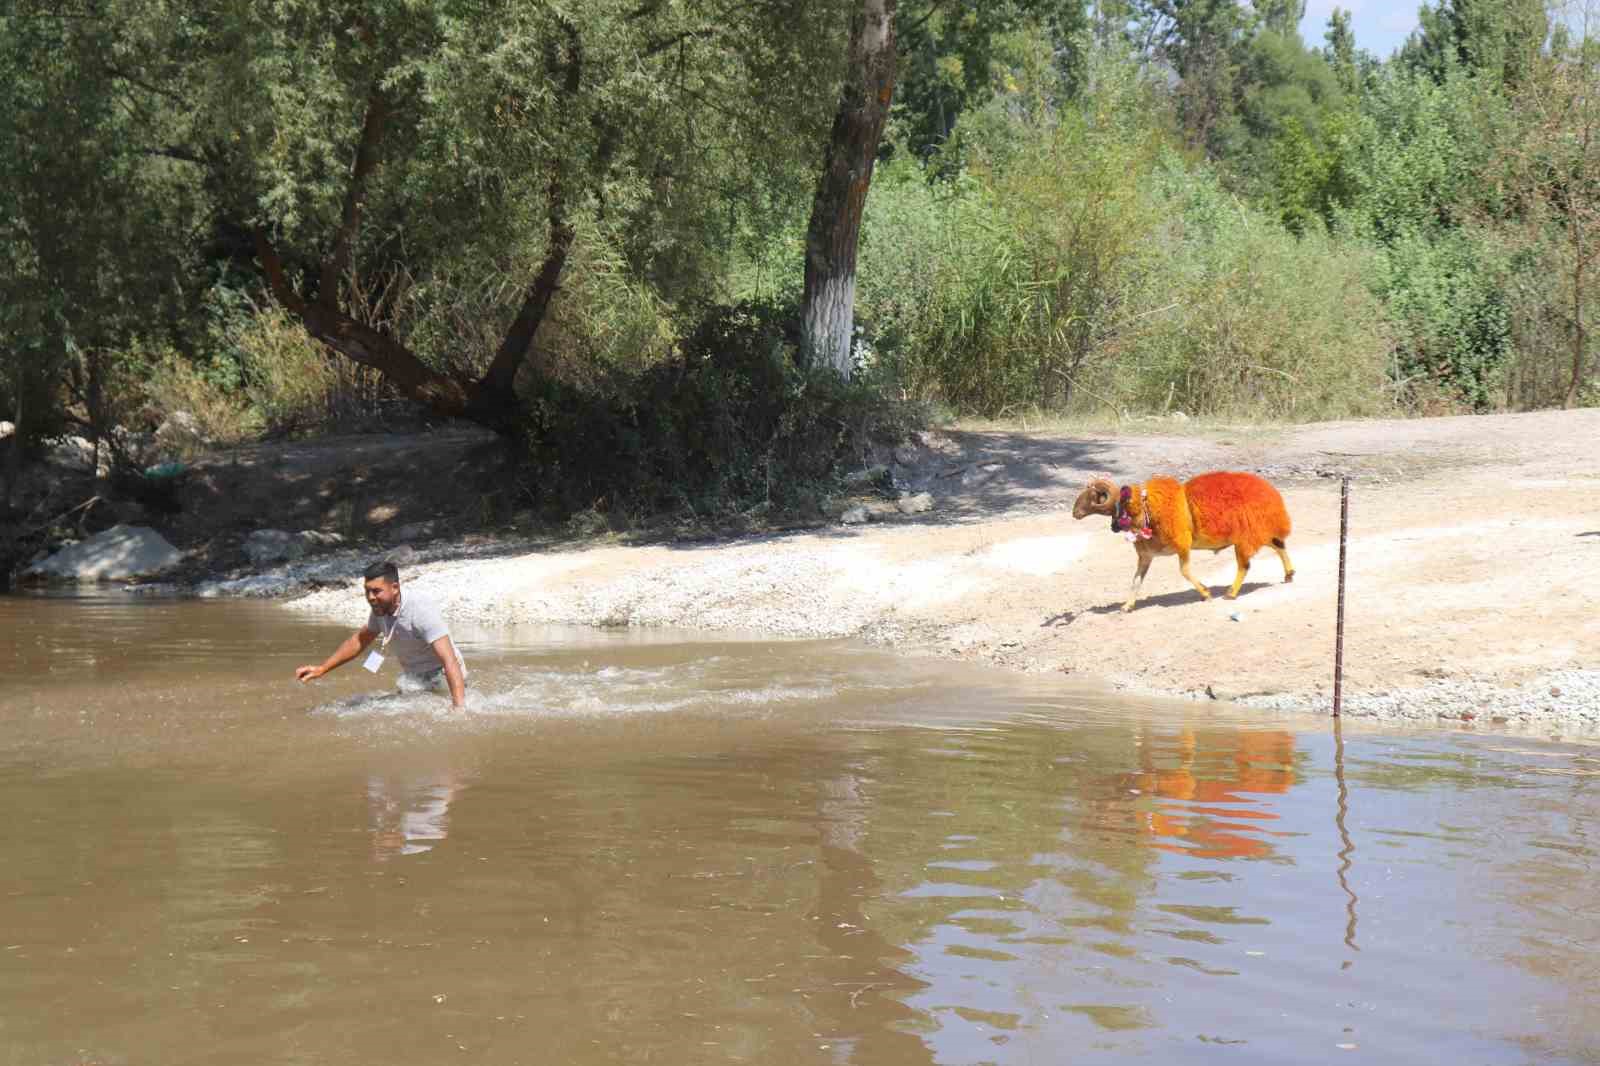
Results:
<point x="1338" y="638"/>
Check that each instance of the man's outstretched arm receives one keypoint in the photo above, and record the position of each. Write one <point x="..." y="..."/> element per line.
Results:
<point x="349" y="649"/>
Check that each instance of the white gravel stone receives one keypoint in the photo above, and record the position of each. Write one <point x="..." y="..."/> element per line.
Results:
<point x="1569" y="698"/>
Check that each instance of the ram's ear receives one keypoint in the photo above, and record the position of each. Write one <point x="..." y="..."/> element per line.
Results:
<point x="1084" y="505"/>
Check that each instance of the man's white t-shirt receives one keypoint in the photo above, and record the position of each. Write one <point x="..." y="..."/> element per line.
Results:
<point x="411" y="631"/>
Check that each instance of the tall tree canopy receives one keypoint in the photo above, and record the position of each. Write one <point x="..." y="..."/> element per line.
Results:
<point x="352" y="152"/>
<point x="86" y="208"/>
<point x="954" y="55"/>
<point x="1497" y="38"/>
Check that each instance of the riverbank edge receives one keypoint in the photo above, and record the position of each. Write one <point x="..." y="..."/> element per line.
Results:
<point x="997" y="573"/>
<point x="1560" y="702"/>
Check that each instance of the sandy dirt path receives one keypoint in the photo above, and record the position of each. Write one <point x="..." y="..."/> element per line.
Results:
<point x="1472" y="574"/>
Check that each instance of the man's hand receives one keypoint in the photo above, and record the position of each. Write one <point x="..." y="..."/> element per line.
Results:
<point x="344" y="653"/>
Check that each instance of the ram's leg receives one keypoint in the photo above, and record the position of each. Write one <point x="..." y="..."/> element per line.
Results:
<point x="1138" y="580"/>
<point x="1242" y="567"/>
<point x="1283" y="556"/>
<point x="1183" y="568"/>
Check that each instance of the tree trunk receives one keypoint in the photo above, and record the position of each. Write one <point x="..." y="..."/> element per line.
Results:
<point x="497" y="389"/>
<point x="337" y="261"/>
<point x="1576" y="384"/>
<point x="1580" y="213"/>
<point x="827" y="315"/>
<point x="491" y="400"/>
<point x="362" y="344"/>
<point x="438" y="392"/>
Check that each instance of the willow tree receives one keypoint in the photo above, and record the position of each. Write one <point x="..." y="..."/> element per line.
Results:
<point x="82" y="212"/>
<point x="357" y="153"/>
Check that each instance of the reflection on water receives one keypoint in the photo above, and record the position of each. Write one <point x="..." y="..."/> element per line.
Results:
<point x="640" y="850"/>
<point x="408" y="816"/>
<point x="1347" y="846"/>
<point x="1207" y="810"/>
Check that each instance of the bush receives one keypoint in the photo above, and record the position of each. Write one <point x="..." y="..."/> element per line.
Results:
<point x="1415" y="156"/>
<point x="30" y="395"/>
<point x="220" y="415"/>
<point x="728" y="424"/>
<point x="994" y="289"/>
<point x="602" y="316"/>
<point x="273" y="378"/>
<point x="290" y="381"/>
<point x="1445" y="294"/>
<point x="1236" y="317"/>
<point x="1538" y="285"/>
<point x="1099" y="270"/>
<point x="1416" y="160"/>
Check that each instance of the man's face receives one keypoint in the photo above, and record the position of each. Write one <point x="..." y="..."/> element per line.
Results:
<point x="382" y="594"/>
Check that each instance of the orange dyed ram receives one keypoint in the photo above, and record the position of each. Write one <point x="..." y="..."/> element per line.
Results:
<point x="1167" y="517"/>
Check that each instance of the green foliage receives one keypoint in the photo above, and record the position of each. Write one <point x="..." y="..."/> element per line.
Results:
<point x="1538" y="284"/>
<point x="1092" y="267"/>
<point x="608" y="317"/>
<point x="1550" y="168"/>
<point x="1499" y="40"/>
<point x="172" y="384"/>
<point x="1310" y="175"/>
<point x="30" y="394"/>
<point x="729" y="425"/>
<point x="1444" y="293"/>
<point x="1341" y="235"/>
<point x="1414" y="158"/>
<point x="1287" y="110"/>
<point x="1192" y="35"/>
<point x="1417" y="151"/>
<point x="992" y="289"/>
<point x="290" y="381"/>
<point x="1239" y="318"/>
<point x="85" y="201"/>
<point x="1340" y="51"/>
<point x="1207" y="45"/>
<point x="1254" y="97"/>
<point x="479" y="131"/>
<point x="263" y="374"/>
<point x="954" y="58"/>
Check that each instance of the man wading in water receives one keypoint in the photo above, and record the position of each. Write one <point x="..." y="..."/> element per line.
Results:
<point x="428" y="658"/>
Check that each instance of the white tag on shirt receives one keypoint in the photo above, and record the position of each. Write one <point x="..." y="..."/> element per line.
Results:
<point x="374" y="661"/>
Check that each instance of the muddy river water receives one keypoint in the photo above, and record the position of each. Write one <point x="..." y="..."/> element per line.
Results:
<point x="650" y="849"/>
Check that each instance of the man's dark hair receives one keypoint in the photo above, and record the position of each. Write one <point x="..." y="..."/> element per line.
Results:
<point x="383" y="568"/>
